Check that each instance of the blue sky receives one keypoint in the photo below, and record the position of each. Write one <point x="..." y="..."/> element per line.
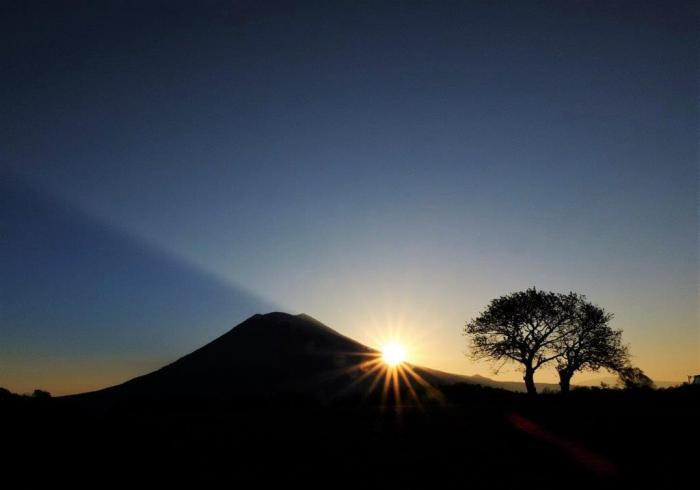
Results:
<point x="377" y="165"/>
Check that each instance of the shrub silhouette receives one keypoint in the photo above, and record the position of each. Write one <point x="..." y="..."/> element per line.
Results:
<point x="41" y="395"/>
<point x="633" y="378"/>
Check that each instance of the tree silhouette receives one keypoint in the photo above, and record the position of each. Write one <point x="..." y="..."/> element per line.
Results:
<point x="41" y="395"/>
<point x="588" y="343"/>
<point x="522" y="327"/>
<point x="634" y="378"/>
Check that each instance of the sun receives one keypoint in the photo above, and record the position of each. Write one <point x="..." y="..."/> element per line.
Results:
<point x="393" y="354"/>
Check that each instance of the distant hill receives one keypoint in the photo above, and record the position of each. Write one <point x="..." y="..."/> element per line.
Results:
<point x="272" y="355"/>
<point x="613" y="381"/>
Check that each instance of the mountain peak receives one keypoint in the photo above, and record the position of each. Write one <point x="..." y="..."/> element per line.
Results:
<point x="281" y="323"/>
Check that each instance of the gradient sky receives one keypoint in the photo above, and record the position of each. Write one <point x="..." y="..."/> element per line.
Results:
<point x="168" y="170"/>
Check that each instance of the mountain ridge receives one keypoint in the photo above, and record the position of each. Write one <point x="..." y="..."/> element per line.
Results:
<point x="275" y="355"/>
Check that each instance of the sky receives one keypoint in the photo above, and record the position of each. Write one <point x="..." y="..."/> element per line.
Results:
<point x="170" y="168"/>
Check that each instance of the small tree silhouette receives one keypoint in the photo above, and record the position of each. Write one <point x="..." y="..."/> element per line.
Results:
<point x="633" y="378"/>
<point x="41" y="395"/>
<point x="588" y="343"/>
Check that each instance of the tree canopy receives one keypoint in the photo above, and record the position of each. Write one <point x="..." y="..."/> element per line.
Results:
<point x="589" y="343"/>
<point x="535" y="327"/>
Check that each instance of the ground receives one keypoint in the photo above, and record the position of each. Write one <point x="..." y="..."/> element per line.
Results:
<point x="471" y="438"/>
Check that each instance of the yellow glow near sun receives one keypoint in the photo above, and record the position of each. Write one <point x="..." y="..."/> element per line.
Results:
<point x="393" y="354"/>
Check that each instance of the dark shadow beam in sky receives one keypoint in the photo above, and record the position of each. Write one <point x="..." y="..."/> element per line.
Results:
<point x="74" y="288"/>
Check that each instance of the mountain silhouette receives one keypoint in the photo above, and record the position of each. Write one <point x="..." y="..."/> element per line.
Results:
<point x="274" y="355"/>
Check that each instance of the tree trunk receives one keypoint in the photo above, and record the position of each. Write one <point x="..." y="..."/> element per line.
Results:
<point x="564" y="382"/>
<point x="530" y="381"/>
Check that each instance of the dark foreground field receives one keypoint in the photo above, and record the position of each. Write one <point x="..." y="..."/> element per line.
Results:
<point x="473" y="438"/>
